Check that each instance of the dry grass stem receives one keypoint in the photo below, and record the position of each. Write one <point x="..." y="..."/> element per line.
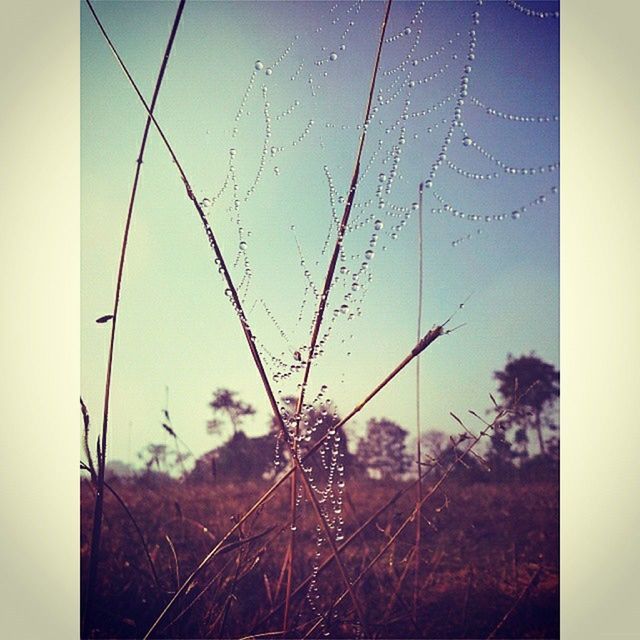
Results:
<point x="97" y="516"/>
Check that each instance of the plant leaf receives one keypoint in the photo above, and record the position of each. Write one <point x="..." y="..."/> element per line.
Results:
<point x="168" y="429"/>
<point x="103" y="319"/>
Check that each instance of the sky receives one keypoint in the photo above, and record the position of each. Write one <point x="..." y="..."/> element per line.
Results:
<point x="276" y="197"/>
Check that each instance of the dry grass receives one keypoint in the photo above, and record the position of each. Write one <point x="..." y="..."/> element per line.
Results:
<point x="478" y="553"/>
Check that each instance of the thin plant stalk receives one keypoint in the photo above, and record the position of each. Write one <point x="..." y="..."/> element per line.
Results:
<point x="98" y="507"/>
<point x="231" y="596"/>
<point x="358" y="524"/>
<point x="175" y="559"/>
<point x="396" y="592"/>
<point x="126" y="509"/>
<point x="418" y="417"/>
<point x="324" y="296"/>
<point x="521" y="597"/>
<point x="283" y="571"/>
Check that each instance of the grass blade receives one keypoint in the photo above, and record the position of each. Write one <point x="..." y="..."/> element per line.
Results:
<point x="97" y="516"/>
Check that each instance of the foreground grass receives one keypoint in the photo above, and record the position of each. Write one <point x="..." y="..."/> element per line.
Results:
<point x="481" y="546"/>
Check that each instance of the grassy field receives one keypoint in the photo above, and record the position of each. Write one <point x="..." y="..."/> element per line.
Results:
<point x="323" y="558"/>
<point x="488" y="550"/>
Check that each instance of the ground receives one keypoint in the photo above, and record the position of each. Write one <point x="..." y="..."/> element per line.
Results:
<point x="485" y="548"/>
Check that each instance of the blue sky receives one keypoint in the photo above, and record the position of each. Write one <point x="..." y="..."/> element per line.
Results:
<point x="176" y="328"/>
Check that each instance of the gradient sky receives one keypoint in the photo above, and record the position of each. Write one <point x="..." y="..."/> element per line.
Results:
<point x="176" y="328"/>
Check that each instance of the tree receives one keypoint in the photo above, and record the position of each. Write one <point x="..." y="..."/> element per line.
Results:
<point x="226" y="406"/>
<point x="314" y="423"/>
<point x="501" y="456"/>
<point x="240" y="458"/>
<point x="382" y="450"/>
<point x="529" y="387"/>
<point x="433" y="443"/>
<point x="116" y="469"/>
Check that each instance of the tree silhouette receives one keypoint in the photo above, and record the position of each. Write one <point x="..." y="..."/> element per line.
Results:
<point x="314" y="423"/>
<point x="227" y="407"/>
<point x="529" y="387"/>
<point x="383" y="448"/>
<point x="240" y="458"/>
<point x="433" y="443"/>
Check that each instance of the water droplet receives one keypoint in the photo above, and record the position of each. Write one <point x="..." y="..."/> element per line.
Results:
<point x="368" y="254"/>
<point x="466" y="141"/>
<point x="382" y="177"/>
<point x="378" y="225"/>
<point x="333" y="56"/>
<point x="258" y="65"/>
<point x="268" y="71"/>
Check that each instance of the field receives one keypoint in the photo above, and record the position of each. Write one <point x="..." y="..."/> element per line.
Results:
<point x="482" y="545"/>
<point x="353" y="189"/>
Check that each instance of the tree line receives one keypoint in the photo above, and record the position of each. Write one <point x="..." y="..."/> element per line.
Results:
<point x="525" y="446"/>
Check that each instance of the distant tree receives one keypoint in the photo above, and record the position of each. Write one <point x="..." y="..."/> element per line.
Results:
<point x="313" y="423"/>
<point x="240" y="458"/>
<point x="382" y="450"/>
<point x="530" y="387"/>
<point x="501" y="456"/>
<point x="227" y="407"/>
<point x="433" y="443"/>
<point x="119" y="469"/>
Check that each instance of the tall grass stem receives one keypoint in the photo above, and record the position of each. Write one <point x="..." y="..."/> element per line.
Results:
<point x="98" y="508"/>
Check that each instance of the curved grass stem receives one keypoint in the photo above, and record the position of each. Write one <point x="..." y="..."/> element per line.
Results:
<point x="98" y="508"/>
